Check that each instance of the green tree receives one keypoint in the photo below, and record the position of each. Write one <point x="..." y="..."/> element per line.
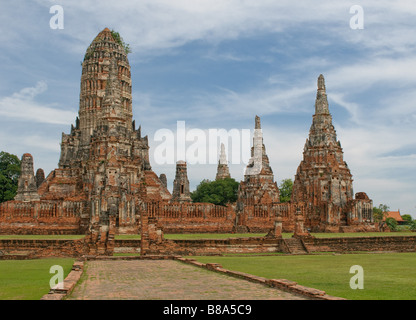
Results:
<point x="218" y="192"/>
<point x="9" y="175"/>
<point x="407" y="218"/>
<point x="392" y="224"/>
<point x="380" y="212"/>
<point x="285" y="188"/>
<point x="412" y="225"/>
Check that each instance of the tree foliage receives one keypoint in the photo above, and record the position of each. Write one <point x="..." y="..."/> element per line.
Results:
<point x="285" y="188"/>
<point x="380" y="212"/>
<point x="392" y="224"/>
<point x="412" y="225"/>
<point x="407" y="218"/>
<point x="120" y="41"/>
<point x="218" y="192"/>
<point x="9" y="175"/>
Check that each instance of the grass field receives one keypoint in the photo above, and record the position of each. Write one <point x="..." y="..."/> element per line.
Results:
<point x="387" y="276"/>
<point x="28" y="279"/>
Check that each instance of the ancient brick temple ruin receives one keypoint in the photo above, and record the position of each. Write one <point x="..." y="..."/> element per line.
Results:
<point x="104" y="183"/>
<point x="258" y="193"/>
<point x="323" y="181"/>
<point x="104" y="166"/>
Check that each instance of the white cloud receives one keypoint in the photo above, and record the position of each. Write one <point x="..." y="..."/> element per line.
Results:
<point x="370" y="72"/>
<point x="153" y="25"/>
<point x="22" y="106"/>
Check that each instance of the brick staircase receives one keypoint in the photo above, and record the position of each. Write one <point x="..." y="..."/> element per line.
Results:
<point x="295" y="246"/>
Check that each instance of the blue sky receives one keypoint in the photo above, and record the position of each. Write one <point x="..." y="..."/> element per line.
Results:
<point x="218" y="63"/>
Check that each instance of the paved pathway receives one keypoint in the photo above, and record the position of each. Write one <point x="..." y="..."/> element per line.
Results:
<point x="166" y="280"/>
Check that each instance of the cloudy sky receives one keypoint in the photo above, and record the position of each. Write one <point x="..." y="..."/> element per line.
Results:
<point x="215" y="64"/>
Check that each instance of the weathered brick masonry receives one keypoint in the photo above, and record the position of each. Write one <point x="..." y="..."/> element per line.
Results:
<point x="192" y="217"/>
<point x="351" y="244"/>
<point x="80" y="247"/>
<point x="42" y="248"/>
<point x="267" y="245"/>
<point x="46" y="217"/>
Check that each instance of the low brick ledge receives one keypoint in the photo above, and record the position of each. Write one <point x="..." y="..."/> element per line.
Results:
<point x="281" y="284"/>
<point x="69" y="283"/>
<point x="115" y="258"/>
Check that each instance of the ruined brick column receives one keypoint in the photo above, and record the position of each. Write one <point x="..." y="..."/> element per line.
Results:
<point x="300" y="231"/>
<point x="26" y="189"/>
<point x="181" y="191"/>
<point x="276" y="232"/>
<point x="163" y="179"/>
<point x="40" y="177"/>
<point x="144" y="233"/>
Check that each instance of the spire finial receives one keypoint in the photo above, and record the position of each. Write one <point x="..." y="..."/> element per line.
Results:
<point x="321" y="82"/>
<point x="321" y="103"/>
<point x="257" y="123"/>
<point x="223" y="157"/>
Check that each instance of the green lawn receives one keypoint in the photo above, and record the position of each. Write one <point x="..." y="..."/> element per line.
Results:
<point x="28" y="279"/>
<point x="387" y="276"/>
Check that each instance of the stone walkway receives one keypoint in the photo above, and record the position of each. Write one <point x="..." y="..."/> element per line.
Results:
<point x="166" y="280"/>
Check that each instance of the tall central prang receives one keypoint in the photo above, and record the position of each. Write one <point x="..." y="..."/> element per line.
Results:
<point x="104" y="159"/>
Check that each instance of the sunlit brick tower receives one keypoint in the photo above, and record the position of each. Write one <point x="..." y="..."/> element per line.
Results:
<point x="258" y="191"/>
<point x="258" y="186"/>
<point x="104" y="159"/>
<point x="323" y="182"/>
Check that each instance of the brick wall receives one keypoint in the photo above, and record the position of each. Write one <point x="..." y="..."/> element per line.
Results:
<point x="42" y="248"/>
<point x="260" y="218"/>
<point x="203" y="246"/>
<point x="76" y="248"/>
<point x="385" y="243"/>
<point x="41" y="217"/>
<point x="192" y="217"/>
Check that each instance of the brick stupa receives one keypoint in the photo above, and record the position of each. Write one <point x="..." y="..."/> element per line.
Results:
<point x="323" y="181"/>
<point x="104" y="159"/>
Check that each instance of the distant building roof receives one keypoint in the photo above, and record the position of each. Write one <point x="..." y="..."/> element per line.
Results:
<point x="393" y="214"/>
